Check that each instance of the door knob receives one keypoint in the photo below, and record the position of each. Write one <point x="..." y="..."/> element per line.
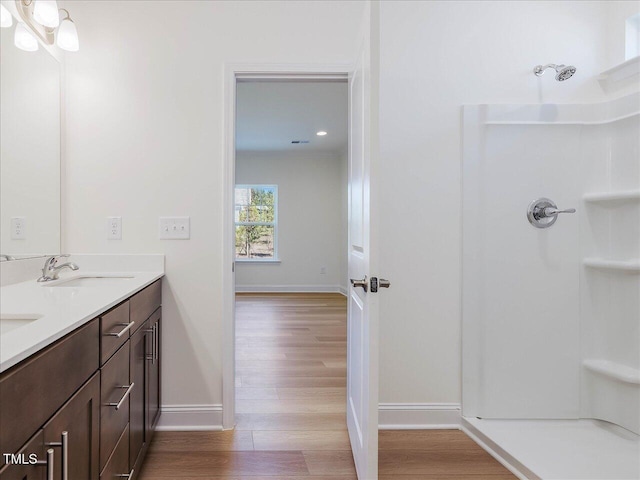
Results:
<point x="360" y="283"/>
<point x="377" y="283"/>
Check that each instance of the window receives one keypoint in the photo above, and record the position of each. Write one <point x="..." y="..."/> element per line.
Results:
<point x="632" y="37"/>
<point x="256" y="217"/>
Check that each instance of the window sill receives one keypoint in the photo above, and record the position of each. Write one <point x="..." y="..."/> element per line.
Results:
<point x="253" y="260"/>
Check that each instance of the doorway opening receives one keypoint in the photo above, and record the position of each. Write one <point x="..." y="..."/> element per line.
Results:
<point x="289" y="216"/>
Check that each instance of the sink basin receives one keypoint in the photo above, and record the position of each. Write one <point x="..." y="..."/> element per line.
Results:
<point x="94" y="281"/>
<point x="11" y="322"/>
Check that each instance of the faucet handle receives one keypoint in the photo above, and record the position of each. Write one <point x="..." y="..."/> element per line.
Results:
<point x="52" y="260"/>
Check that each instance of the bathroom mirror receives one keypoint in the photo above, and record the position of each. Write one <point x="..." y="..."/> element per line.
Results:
<point x="29" y="150"/>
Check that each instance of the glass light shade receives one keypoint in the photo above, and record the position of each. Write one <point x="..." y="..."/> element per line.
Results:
<point x="45" y="12"/>
<point x="67" y="37"/>
<point x="6" y="20"/>
<point x="24" y="39"/>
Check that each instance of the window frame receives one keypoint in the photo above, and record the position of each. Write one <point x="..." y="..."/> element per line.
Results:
<point x="274" y="224"/>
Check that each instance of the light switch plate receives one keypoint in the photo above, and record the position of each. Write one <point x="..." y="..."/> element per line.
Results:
<point x="18" y="228"/>
<point x="175" y="228"/>
<point x="114" y="228"/>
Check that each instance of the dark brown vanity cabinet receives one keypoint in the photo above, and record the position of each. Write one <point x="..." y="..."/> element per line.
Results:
<point x="28" y="471"/>
<point x="73" y="433"/>
<point x="144" y="371"/>
<point x="137" y="406"/>
<point x="80" y="418"/>
<point x="92" y="397"/>
<point x="153" y="375"/>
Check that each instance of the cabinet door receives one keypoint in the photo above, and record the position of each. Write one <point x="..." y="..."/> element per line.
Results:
<point x="138" y="360"/>
<point x="115" y="391"/>
<point x="32" y="391"/>
<point x="13" y="471"/>
<point x="80" y="418"/>
<point x="153" y="373"/>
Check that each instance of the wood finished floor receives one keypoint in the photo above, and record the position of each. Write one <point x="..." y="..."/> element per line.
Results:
<point x="290" y="409"/>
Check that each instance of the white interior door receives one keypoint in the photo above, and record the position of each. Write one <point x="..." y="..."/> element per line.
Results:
<point x="362" y="323"/>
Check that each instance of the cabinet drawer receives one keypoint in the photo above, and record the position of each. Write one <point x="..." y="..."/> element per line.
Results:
<point x="118" y="464"/>
<point x="145" y="302"/>
<point x="113" y="330"/>
<point x="115" y="390"/>
<point x="33" y="390"/>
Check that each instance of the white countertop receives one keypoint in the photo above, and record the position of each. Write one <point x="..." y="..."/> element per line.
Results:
<point x="61" y="309"/>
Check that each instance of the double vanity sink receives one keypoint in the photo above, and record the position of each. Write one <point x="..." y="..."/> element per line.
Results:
<point x="80" y="360"/>
<point x="9" y="322"/>
<point x="35" y="314"/>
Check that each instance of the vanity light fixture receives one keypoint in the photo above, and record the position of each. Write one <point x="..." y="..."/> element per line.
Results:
<point x="321" y="133"/>
<point x="50" y="23"/>
<point x="24" y="39"/>
<point x="6" y="20"/>
<point x="45" y="12"/>
<point x="67" y="37"/>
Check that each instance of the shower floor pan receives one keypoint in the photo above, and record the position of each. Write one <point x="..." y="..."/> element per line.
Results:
<point x="559" y="449"/>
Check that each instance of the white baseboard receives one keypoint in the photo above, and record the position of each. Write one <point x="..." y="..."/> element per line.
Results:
<point x="344" y="291"/>
<point x="290" y="289"/>
<point x="190" y="417"/>
<point x="419" y="416"/>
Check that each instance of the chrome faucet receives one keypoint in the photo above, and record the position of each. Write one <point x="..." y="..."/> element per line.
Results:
<point x="50" y="271"/>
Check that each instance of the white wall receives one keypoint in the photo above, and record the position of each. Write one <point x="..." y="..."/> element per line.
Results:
<point x="310" y="221"/>
<point x="145" y="112"/>
<point x="436" y="57"/>
<point x="145" y="138"/>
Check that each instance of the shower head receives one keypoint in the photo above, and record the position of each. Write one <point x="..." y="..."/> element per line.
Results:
<point x="563" y="72"/>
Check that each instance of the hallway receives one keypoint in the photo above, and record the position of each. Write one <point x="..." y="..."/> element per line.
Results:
<point x="290" y="399"/>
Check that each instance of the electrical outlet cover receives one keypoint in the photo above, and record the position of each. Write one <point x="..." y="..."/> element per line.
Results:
<point x="18" y="228"/>
<point x="114" y="228"/>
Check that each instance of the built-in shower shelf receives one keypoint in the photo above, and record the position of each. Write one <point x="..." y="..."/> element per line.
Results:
<point x="607" y="121"/>
<point x="612" y="198"/>
<point x="628" y="266"/>
<point x="614" y="370"/>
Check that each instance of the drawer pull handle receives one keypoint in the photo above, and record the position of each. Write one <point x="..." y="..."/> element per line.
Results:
<point x="127" y="326"/>
<point x="48" y="463"/>
<point x="153" y="355"/>
<point x="124" y="397"/>
<point x="64" y="443"/>
<point x="125" y="475"/>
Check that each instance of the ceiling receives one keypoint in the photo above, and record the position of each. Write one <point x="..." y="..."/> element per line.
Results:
<point x="271" y="114"/>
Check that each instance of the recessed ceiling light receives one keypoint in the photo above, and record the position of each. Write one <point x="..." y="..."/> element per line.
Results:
<point x="321" y="133"/>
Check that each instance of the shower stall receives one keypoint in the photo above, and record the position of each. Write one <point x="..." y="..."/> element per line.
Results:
<point x="551" y="312"/>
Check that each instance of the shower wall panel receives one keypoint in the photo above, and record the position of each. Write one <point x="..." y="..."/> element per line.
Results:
<point x="551" y="317"/>
<point x="610" y="276"/>
<point x="521" y="297"/>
